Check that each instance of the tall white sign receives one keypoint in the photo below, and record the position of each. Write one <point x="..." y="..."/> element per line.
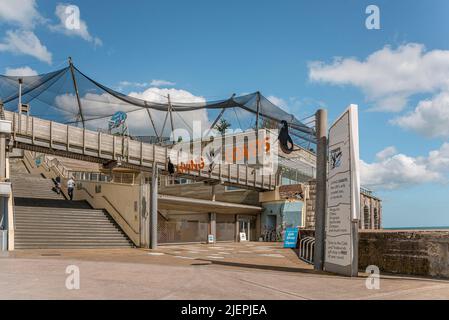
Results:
<point x="343" y="195"/>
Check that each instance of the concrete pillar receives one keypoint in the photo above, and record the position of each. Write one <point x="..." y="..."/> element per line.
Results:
<point x="145" y="195"/>
<point x="213" y="225"/>
<point x="213" y="217"/>
<point x="2" y="156"/>
<point x="321" y="188"/>
<point x="5" y="188"/>
<point x="153" y="212"/>
<point x="237" y="229"/>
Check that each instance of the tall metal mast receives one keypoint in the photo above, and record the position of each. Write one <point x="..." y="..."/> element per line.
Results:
<point x="171" y="118"/>
<point x="76" y="91"/>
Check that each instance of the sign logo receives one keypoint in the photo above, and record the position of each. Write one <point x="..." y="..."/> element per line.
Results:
<point x="335" y="158"/>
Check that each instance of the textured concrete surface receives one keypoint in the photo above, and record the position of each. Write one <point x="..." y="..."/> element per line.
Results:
<point x="222" y="271"/>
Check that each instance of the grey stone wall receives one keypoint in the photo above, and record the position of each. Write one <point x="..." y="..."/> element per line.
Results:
<point x="420" y="253"/>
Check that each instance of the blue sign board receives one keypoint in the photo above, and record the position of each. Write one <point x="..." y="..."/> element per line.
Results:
<point x="290" y="237"/>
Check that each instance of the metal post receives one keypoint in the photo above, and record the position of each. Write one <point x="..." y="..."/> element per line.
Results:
<point x="153" y="213"/>
<point x="257" y="112"/>
<point x="257" y="131"/>
<point x="152" y="122"/>
<point x="321" y="188"/>
<point x="76" y="91"/>
<point x="171" y="117"/>
<point x="19" y="106"/>
<point x="213" y="218"/>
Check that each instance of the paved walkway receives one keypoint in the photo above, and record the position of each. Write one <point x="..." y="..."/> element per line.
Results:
<point x="198" y="271"/>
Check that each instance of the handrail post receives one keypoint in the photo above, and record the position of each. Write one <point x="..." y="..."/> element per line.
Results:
<point x="153" y="204"/>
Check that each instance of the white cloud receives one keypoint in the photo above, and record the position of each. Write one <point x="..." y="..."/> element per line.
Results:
<point x="385" y="153"/>
<point x="20" y="12"/>
<point x="161" y="83"/>
<point x="176" y="95"/>
<point x="27" y="43"/>
<point x="278" y="101"/>
<point x="430" y="117"/>
<point x="132" y="84"/>
<point x="95" y="105"/>
<point x="23" y="71"/>
<point x="122" y="85"/>
<point x="393" y="170"/>
<point x="65" y="15"/>
<point x="388" y="77"/>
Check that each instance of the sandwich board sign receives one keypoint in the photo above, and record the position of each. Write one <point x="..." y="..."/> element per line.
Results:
<point x="343" y="195"/>
<point x="290" y="237"/>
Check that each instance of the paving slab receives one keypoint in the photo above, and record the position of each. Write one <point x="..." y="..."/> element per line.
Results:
<point x="174" y="273"/>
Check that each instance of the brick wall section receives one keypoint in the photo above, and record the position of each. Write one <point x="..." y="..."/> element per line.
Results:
<point x="421" y="253"/>
<point x="310" y="205"/>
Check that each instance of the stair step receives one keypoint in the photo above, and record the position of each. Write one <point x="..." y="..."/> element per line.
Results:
<point x="78" y="246"/>
<point x="44" y="226"/>
<point x="50" y="237"/>
<point x="46" y="220"/>
<point x="56" y="213"/>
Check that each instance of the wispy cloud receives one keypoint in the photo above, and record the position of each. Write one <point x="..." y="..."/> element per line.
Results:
<point x="161" y="83"/>
<point x="22" y="71"/>
<point x="22" y="13"/>
<point x="389" y="77"/>
<point x="26" y="43"/>
<point x="393" y="170"/>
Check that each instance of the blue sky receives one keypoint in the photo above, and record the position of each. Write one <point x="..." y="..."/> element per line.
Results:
<point x="215" y="48"/>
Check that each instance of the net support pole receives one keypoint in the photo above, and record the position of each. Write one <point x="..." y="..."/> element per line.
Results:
<point x="152" y="122"/>
<point x="170" y="110"/>
<point x="321" y="188"/>
<point x="153" y="204"/>
<point x="19" y="105"/>
<point x="257" y="127"/>
<point x="76" y="92"/>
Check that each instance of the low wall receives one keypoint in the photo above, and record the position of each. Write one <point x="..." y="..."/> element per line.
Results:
<point x="121" y="201"/>
<point x="412" y="252"/>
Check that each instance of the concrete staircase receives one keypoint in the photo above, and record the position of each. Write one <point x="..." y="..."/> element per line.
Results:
<point x="46" y="220"/>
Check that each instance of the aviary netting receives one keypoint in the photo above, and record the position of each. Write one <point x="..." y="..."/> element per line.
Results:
<point x="69" y="96"/>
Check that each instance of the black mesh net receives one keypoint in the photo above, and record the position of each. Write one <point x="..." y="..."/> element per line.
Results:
<point x="53" y="96"/>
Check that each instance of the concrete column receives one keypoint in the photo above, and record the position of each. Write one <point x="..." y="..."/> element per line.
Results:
<point x="153" y="212"/>
<point x="258" y="226"/>
<point x="213" y="217"/>
<point x="213" y="225"/>
<point x="2" y="156"/>
<point x="5" y="187"/>
<point x="321" y="188"/>
<point x="237" y="230"/>
<point x="145" y="195"/>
